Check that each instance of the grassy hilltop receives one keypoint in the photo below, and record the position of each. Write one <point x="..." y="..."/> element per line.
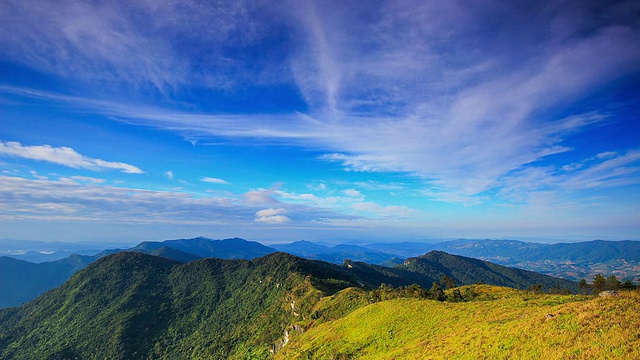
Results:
<point x="501" y="323"/>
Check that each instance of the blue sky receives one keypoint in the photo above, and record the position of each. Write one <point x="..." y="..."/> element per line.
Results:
<point x="280" y="121"/>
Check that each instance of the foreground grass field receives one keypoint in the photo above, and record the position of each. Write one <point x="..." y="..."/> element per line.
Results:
<point x="503" y="324"/>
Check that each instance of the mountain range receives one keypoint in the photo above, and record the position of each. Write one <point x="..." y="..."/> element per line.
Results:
<point x="131" y="305"/>
<point x="22" y="281"/>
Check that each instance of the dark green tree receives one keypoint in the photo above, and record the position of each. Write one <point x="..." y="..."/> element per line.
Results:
<point x="415" y="291"/>
<point x="536" y="288"/>
<point x="613" y="283"/>
<point x="599" y="283"/>
<point x="447" y="282"/>
<point x="437" y="293"/>
<point x="456" y="296"/>
<point x="628" y="285"/>
<point x="583" y="286"/>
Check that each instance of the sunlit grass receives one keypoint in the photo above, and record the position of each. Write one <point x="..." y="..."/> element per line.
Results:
<point x="507" y="324"/>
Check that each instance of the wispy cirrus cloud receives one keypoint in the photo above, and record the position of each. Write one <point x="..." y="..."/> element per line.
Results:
<point x="212" y="180"/>
<point x="63" y="156"/>
<point x="605" y="170"/>
<point x="431" y="89"/>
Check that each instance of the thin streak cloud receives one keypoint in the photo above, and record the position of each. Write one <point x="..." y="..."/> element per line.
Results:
<point x="63" y="156"/>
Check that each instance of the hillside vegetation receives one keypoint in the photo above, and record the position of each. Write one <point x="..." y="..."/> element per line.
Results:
<point x="132" y="305"/>
<point x="136" y="306"/>
<point x="501" y="323"/>
<point x="465" y="271"/>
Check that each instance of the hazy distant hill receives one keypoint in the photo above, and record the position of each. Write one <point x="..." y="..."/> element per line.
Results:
<point x="585" y="252"/>
<point x="136" y="306"/>
<point x="568" y="260"/>
<point x="336" y="254"/>
<point x="302" y="248"/>
<point x="402" y="249"/>
<point x="39" y="257"/>
<point x="50" y="251"/>
<point x="492" y="250"/>
<point x="234" y="248"/>
<point x="22" y="281"/>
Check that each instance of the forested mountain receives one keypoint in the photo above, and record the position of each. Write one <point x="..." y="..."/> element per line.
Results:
<point x="586" y="252"/>
<point x="234" y="248"/>
<point x="572" y="261"/>
<point x="302" y="248"/>
<point x="465" y="271"/>
<point x="514" y="251"/>
<point x="131" y="305"/>
<point x="135" y="306"/>
<point x="22" y="281"/>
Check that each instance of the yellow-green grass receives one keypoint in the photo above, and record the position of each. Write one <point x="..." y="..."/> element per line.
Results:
<point x="514" y="325"/>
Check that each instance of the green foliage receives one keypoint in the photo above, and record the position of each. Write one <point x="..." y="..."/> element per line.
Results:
<point x="583" y="287"/>
<point x="438" y="265"/>
<point x="447" y="282"/>
<point x="599" y="283"/>
<point x="535" y="288"/>
<point x="136" y="306"/>
<point x="437" y="293"/>
<point x="507" y="323"/>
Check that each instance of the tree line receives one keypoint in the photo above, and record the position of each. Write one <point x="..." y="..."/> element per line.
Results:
<point x="436" y="292"/>
<point x="600" y="283"/>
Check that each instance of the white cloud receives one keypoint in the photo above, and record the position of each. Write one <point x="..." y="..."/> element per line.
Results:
<point x="63" y="156"/>
<point x="352" y="193"/>
<point x="37" y="176"/>
<point x="90" y="202"/>
<point x="88" y="179"/>
<point x="272" y="216"/>
<point x="214" y="180"/>
<point x="596" y="172"/>
<point x="319" y="187"/>
<point x="397" y="87"/>
<point x="262" y="195"/>
<point x="169" y="175"/>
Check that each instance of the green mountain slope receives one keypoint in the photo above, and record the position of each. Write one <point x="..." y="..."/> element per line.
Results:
<point x="464" y="270"/>
<point x="572" y="261"/>
<point x="131" y="305"/>
<point x="506" y="324"/>
<point x="22" y="281"/>
<point x="134" y="306"/>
